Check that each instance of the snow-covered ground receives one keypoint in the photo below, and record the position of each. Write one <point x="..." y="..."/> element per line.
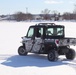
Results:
<point x="13" y="64"/>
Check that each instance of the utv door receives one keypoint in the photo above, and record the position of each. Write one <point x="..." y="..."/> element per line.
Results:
<point x="29" y="39"/>
<point x="38" y="40"/>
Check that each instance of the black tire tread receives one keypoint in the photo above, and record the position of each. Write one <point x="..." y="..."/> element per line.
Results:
<point x="55" y="55"/>
<point x="24" y="54"/>
<point x="71" y="54"/>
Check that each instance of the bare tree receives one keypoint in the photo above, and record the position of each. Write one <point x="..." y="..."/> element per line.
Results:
<point x="46" y="13"/>
<point x="29" y="16"/>
<point x="74" y="12"/>
<point x="67" y="16"/>
<point x="56" y="15"/>
<point x="20" y="16"/>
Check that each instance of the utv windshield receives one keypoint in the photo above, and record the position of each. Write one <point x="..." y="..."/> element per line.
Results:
<point x="55" y="31"/>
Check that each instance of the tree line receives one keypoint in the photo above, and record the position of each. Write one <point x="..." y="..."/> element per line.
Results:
<point x="46" y="14"/>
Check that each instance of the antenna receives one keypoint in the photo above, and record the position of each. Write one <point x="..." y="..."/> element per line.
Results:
<point x="26" y="10"/>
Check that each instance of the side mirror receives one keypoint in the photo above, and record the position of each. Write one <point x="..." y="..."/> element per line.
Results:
<point x="23" y="37"/>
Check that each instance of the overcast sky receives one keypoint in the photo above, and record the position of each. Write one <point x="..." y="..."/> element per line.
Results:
<point x="35" y="6"/>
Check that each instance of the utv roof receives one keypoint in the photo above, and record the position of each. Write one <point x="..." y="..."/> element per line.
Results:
<point x="46" y="25"/>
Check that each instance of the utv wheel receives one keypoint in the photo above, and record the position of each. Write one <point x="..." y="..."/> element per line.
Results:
<point x="71" y="54"/>
<point x="53" y="55"/>
<point x="22" y="51"/>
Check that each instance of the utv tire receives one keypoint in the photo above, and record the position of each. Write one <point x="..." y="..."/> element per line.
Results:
<point x="22" y="51"/>
<point x="71" y="54"/>
<point x="53" y="55"/>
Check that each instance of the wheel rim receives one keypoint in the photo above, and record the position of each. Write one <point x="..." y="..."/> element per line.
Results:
<point x="51" y="56"/>
<point x="22" y="51"/>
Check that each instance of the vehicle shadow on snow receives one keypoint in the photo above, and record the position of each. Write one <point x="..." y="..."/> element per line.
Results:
<point x="31" y="60"/>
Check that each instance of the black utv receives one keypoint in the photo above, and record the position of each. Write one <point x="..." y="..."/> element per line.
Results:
<point x="47" y="38"/>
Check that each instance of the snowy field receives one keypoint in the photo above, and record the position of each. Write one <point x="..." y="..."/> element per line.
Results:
<point x="13" y="64"/>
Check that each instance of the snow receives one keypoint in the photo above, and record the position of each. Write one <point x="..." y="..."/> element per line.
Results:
<point x="32" y="64"/>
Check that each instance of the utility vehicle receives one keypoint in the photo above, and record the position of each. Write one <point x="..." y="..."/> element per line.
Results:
<point x="47" y="38"/>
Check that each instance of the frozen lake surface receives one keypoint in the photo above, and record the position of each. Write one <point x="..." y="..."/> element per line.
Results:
<point x="32" y="64"/>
